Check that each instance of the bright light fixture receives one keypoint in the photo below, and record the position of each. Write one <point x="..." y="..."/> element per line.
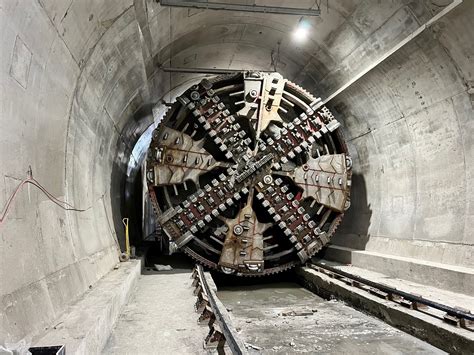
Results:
<point x="301" y="32"/>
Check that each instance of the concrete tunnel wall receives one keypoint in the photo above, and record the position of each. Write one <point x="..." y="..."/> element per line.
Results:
<point x="75" y="73"/>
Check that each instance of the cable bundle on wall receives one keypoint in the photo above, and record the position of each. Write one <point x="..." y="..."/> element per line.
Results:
<point x="30" y="180"/>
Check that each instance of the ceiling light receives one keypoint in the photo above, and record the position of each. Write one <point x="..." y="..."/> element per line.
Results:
<point x="301" y="32"/>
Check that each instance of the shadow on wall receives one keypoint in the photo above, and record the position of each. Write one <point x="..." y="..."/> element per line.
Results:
<point x="126" y="186"/>
<point x="354" y="229"/>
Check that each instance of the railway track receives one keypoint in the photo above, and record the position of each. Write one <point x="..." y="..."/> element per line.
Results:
<point x="451" y="315"/>
<point x="222" y="335"/>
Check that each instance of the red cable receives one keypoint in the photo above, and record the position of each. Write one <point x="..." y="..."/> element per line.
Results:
<point x="35" y="183"/>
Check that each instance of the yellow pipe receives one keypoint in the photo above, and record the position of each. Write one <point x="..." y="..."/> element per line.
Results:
<point x="127" y="240"/>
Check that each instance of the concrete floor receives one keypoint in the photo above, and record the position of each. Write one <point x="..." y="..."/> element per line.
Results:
<point x="160" y="318"/>
<point x="331" y="327"/>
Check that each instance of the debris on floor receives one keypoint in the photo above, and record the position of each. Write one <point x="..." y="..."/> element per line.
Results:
<point x="160" y="267"/>
<point x="293" y="313"/>
<point x="254" y="347"/>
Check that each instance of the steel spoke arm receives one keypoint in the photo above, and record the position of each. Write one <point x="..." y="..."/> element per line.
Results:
<point x="326" y="179"/>
<point x="177" y="158"/>
<point x="182" y="222"/>
<point x="243" y="245"/>
<point x="293" y="220"/>
<point x="213" y="116"/>
<point x="297" y="136"/>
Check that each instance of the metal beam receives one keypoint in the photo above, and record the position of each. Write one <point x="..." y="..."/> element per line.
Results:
<point x="239" y="7"/>
<point x="210" y="70"/>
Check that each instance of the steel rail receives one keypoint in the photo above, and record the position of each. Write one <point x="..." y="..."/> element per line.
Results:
<point x="210" y="70"/>
<point x="240" y="7"/>
<point x="407" y="296"/>
<point x="230" y="333"/>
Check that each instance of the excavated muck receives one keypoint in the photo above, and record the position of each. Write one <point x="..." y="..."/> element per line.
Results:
<point x="248" y="174"/>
